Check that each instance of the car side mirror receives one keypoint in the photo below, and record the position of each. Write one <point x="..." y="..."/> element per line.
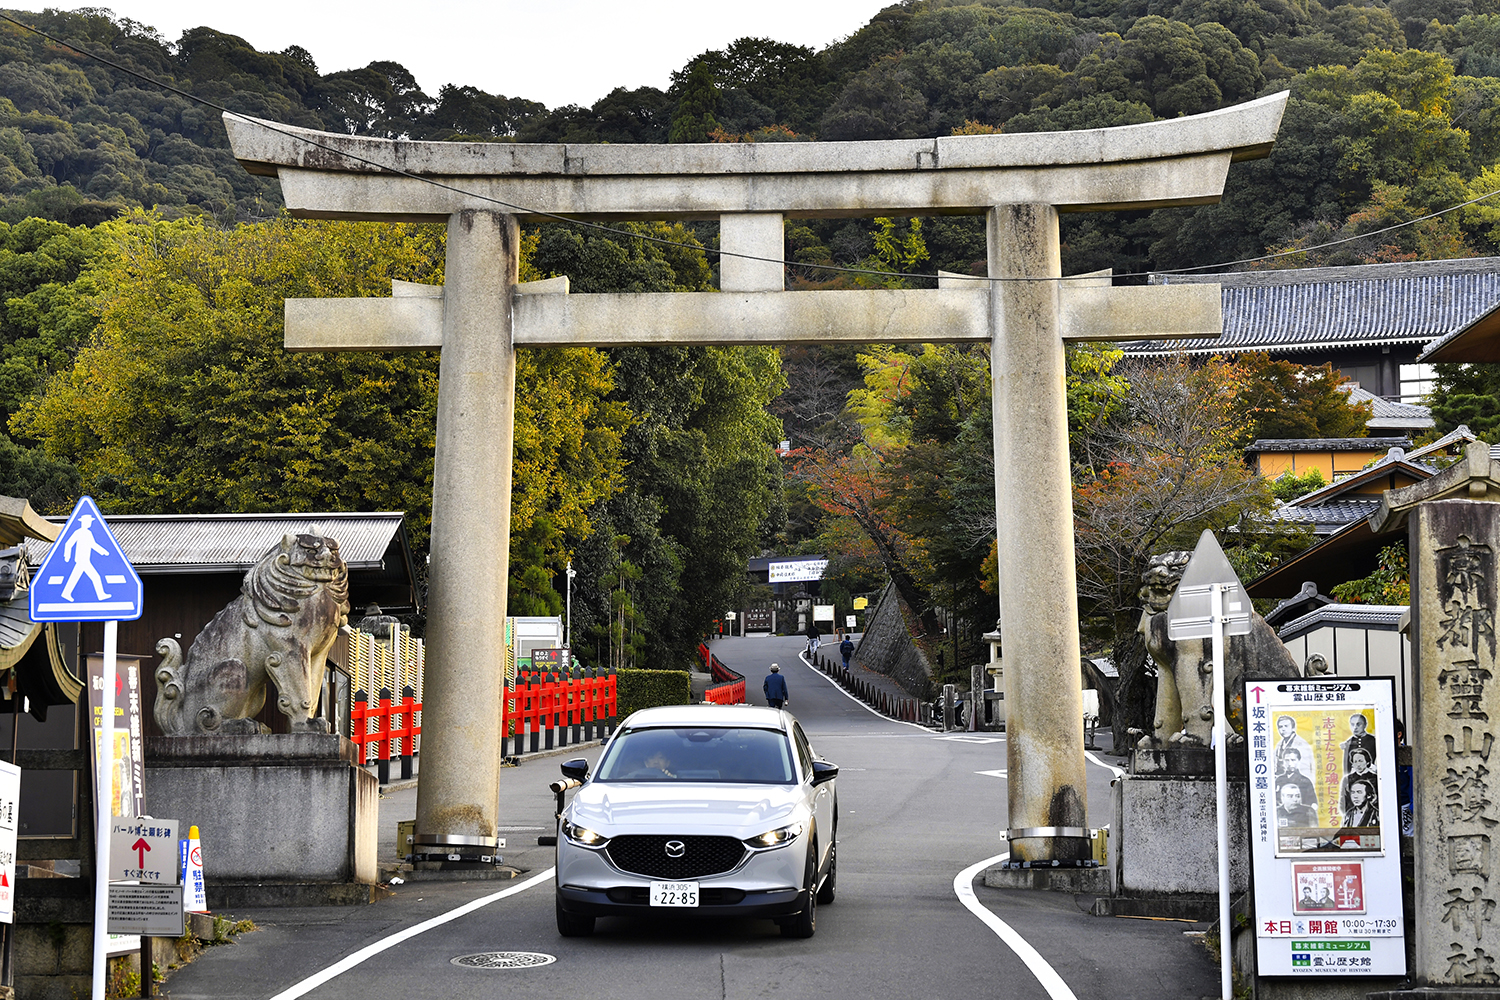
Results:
<point x="823" y="771"/>
<point x="577" y="769"/>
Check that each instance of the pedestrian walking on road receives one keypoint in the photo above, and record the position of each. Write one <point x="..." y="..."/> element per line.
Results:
<point x="775" y="688"/>
<point x="846" y="650"/>
<point x="814" y="637"/>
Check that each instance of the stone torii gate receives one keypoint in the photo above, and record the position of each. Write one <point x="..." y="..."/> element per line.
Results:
<point x="478" y="318"/>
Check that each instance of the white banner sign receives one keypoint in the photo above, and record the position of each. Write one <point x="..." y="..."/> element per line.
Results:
<point x="797" y="572"/>
<point x="1325" y="827"/>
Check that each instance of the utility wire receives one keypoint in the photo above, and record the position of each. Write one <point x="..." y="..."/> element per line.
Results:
<point x="612" y="231"/>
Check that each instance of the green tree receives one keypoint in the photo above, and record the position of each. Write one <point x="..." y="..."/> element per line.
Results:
<point x="702" y="484"/>
<point x="1467" y="394"/>
<point x="184" y="399"/>
<point x="1281" y="399"/>
<point x="694" y="120"/>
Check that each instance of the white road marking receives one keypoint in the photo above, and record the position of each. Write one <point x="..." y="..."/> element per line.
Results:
<point x="835" y="685"/>
<point x="970" y="739"/>
<point x="370" y="951"/>
<point x="963" y="887"/>
<point x="1118" y="771"/>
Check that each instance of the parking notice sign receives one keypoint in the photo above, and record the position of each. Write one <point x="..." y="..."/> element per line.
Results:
<point x="86" y="577"/>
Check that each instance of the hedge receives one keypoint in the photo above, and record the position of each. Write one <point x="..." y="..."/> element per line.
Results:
<point x="638" y="689"/>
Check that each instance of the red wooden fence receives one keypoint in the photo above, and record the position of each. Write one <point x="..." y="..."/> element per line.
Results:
<point x="729" y="687"/>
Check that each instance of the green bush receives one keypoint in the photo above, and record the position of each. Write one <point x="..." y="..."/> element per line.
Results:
<point x="638" y="689"/>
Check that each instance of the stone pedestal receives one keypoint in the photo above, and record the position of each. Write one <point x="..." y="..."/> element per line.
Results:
<point x="1164" y="838"/>
<point x="1454" y="597"/>
<point x="284" y="819"/>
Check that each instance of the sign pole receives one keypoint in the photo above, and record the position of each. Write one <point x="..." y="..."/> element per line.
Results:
<point x="1221" y="782"/>
<point x="103" y="793"/>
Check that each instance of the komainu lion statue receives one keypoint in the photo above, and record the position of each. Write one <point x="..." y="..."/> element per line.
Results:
<point x="280" y="629"/>
<point x="1185" y="667"/>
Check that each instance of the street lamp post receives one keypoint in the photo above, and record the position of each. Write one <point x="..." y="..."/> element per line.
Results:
<point x="568" y="621"/>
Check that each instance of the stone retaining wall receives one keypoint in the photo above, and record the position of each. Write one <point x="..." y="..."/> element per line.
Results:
<point x="887" y="647"/>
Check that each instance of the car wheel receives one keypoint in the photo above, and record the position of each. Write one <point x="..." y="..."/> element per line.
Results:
<point x="830" y="881"/>
<point x="805" y="924"/>
<point x="573" y="924"/>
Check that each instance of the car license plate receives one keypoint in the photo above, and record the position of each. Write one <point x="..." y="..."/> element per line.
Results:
<point x="674" y="893"/>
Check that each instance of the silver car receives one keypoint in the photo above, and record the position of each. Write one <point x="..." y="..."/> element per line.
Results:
<point x="706" y="810"/>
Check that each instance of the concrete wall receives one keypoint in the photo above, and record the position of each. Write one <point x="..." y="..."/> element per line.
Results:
<point x="886" y="646"/>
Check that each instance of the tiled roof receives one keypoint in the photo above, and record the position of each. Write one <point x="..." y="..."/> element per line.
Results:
<point x="1387" y="414"/>
<point x="195" y="543"/>
<point x="1326" y="444"/>
<point x="1328" y="517"/>
<point x="1361" y="306"/>
<point x="1385" y="617"/>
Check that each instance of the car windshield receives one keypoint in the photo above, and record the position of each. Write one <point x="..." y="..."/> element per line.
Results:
<point x="702" y="753"/>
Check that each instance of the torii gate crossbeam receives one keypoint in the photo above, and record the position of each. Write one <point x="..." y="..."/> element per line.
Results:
<point x="481" y="315"/>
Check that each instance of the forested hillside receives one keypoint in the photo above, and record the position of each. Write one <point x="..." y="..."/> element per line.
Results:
<point x="1394" y="112"/>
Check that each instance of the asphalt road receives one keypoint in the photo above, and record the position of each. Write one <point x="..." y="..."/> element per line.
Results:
<point x="916" y="809"/>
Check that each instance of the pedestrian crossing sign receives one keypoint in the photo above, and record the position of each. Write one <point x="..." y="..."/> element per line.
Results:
<point x="86" y="577"/>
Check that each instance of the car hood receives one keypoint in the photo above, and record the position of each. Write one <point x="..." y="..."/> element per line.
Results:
<point x="615" y="808"/>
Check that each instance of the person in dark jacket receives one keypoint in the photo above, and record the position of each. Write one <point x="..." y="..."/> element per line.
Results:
<point x="775" y="688"/>
<point x="846" y="650"/>
<point x="813" y="638"/>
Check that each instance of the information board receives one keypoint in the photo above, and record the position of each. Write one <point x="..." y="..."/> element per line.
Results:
<point x="1324" y="827"/>
<point x="149" y="910"/>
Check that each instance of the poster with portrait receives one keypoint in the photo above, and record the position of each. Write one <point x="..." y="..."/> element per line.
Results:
<point x="1325" y="781"/>
<point x="1323" y="826"/>
<point x="1332" y="888"/>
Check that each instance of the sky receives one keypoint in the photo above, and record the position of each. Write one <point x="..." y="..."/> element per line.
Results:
<point x="554" y="51"/>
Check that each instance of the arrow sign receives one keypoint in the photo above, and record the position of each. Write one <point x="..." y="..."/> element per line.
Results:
<point x="142" y="849"/>
<point x="1188" y="614"/>
<point x="86" y="576"/>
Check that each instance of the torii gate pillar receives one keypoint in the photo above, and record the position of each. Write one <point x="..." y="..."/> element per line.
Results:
<point x="470" y="548"/>
<point x="1044" y="714"/>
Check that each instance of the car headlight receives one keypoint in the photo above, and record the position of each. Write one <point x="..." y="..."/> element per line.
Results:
<point x="582" y="836"/>
<point x="775" y="838"/>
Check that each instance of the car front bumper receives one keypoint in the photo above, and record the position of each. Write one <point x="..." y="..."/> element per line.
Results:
<point x="627" y="900"/>
<point x="766" y="884"/>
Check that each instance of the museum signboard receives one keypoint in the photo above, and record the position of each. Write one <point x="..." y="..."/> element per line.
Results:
<point x="1324" y="833"/>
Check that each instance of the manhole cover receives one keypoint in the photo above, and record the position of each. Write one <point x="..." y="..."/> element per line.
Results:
<point x="505" y="960"/>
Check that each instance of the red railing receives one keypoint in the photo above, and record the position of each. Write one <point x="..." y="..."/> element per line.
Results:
<point x="384" y="724"/>
<point x="555" y="708"/>
<point x="729" y="686"/>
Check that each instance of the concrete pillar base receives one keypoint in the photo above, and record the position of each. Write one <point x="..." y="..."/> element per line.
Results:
<point x="1088" y="881"/>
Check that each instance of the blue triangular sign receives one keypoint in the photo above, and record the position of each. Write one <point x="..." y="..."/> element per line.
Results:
<point x="86" y="577"/>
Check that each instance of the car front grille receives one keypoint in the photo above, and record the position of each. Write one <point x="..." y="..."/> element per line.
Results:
<point x="646" y="854"/>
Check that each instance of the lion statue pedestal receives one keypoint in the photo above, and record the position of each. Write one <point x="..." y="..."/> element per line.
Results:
<point x="290" y="819"/>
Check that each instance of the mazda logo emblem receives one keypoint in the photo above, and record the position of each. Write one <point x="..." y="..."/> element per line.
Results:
<point x="676" y="848"/>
